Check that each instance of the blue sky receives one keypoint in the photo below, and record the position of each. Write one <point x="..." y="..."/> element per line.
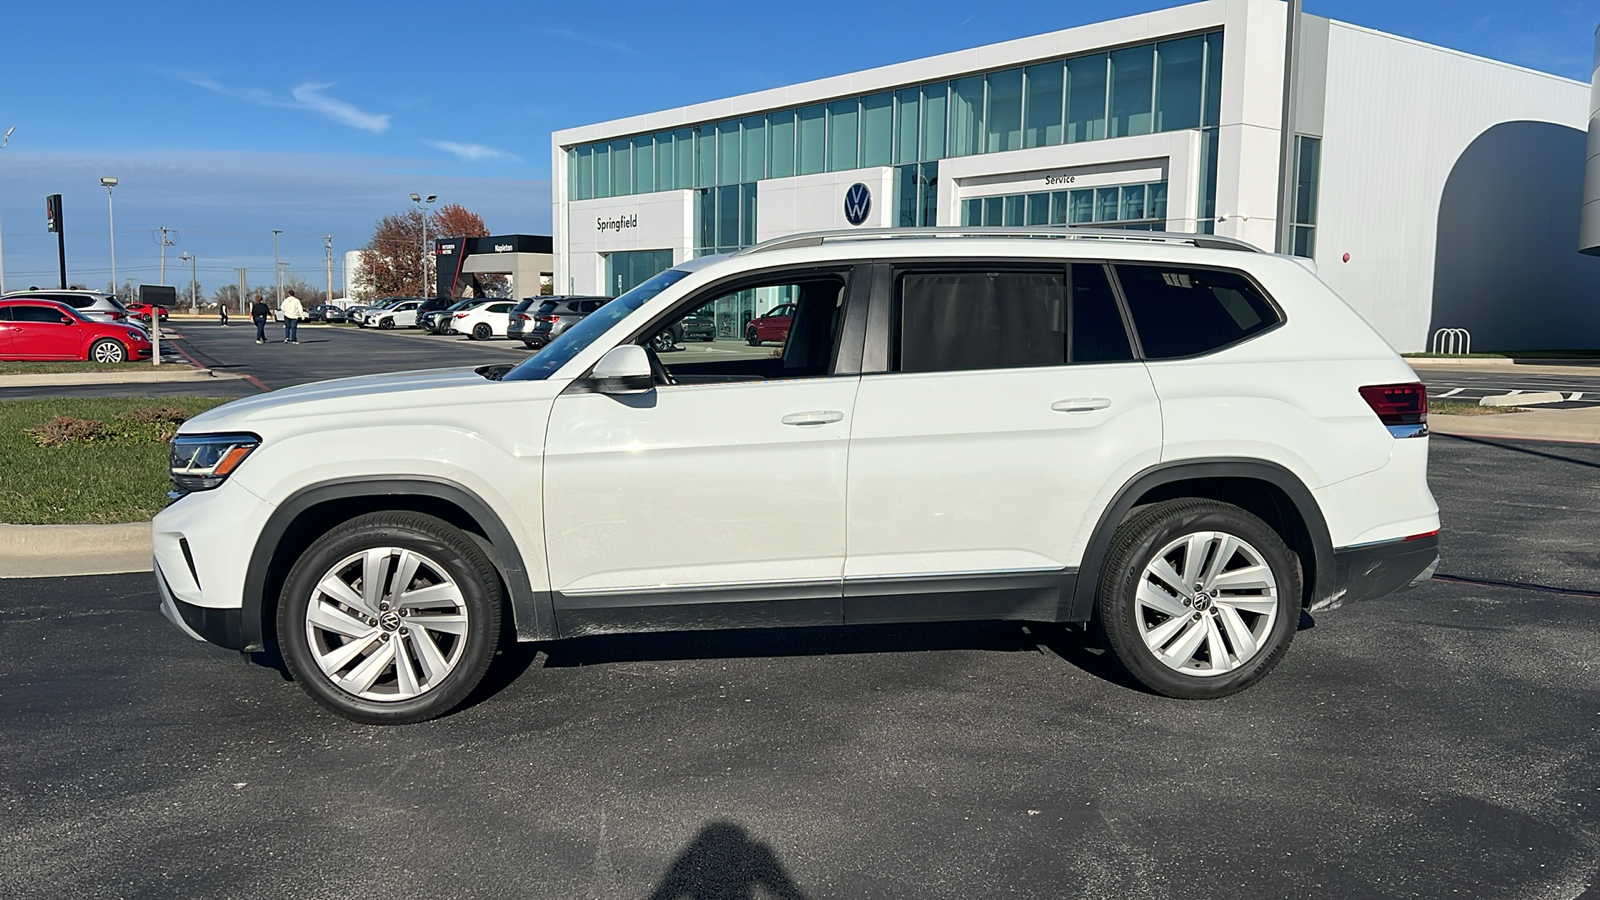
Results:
<point x="225" y="121"/>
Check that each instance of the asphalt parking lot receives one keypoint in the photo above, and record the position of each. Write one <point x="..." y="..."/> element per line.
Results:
<point x="1440" y="743"/>
<point x="1581" y="388"/>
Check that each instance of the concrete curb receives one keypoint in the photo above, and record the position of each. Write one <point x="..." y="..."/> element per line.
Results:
<point x="1581" y="426"/>
<point x="44" y="551"/>
<point x="55" y="379"/>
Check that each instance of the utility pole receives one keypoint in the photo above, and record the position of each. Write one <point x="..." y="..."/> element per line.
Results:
<point x="328" y="239"/>
<point x="108" y="183"/>
<point x="242" y="307"/>
<point x="194" y="283"/>
<point x="3" y="142"/>
<point x="1291" y="90"/>
<point x="277" y="266"/>
<point x="165" y="243"/>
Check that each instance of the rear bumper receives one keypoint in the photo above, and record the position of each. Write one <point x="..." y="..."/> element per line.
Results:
<point x="1370" y="571"/>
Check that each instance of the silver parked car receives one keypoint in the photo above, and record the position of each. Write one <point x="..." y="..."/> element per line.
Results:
<point x="537" y="325"/>
<point x="97" y="306"/>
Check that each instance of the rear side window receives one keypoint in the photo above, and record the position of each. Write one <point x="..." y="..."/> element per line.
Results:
<point x="958" y="321"/>
<point x="1184" y="312"/>
<point x="590" y="306"/>
<point x="76" y="301"/>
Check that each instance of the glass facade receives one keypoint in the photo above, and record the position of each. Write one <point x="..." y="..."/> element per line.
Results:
<point x="725" y="219"/>
<point x="1307" y="172"/>
<point x="624" y="271"/>
<point x="1161" y="86"/>
<point x="1140" y="207"/>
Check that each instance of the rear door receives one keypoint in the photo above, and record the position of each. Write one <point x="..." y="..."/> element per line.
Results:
<point x="1009" y="408"/>
<point x="5" y="332"/>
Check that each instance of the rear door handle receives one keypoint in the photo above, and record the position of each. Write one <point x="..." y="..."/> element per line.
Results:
<point x="1081" y="404"/>
<point x="814" y="417"/>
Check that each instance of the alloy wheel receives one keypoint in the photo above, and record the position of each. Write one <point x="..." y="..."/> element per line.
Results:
<point x="386" y="624"/>
<point x="108" y="352"/>
<point x="1206" y="603"/>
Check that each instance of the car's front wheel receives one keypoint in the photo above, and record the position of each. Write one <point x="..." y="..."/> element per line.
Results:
<point x="386" y="323"/>
<point x="108" y="351"/>
<point x="390" y="618"/>
<point x="1198" y="599"/>
<point x="751" y="337"/>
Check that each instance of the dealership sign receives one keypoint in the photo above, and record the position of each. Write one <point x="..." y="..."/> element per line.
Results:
<point x="617" y="224"/>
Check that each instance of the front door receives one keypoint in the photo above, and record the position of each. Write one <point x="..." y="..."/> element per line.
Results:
<point x="724" y="483"/>
<point x="38" y="332"/>
<point x="1013" y="407"/>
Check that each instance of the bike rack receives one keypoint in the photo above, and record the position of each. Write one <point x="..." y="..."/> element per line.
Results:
<point x="1452" y="341"/>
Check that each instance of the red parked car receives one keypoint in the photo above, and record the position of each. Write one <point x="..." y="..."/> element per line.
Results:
<point x="141" y="311"/>
<point x="44" y="329"/>
<point x="774" y="326"/>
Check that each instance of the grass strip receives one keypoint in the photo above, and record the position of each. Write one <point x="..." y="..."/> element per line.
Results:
<point x="103" y="482"/>
<point x="49" y="367"/>
<point x="1467" y="408"/>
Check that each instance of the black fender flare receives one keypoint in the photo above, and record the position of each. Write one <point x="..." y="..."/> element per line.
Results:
<point x="531" y="610"/>
<point x="1080" y="606"/>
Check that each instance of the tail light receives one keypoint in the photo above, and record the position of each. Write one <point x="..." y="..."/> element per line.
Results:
<point x="1403" y="408"/>
<point x="524" y="317"/>
<point x="549" y="319"/>
<point x="461" y="315"/>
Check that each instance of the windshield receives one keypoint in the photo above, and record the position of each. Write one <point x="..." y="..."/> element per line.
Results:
<point x="571" y="342"/>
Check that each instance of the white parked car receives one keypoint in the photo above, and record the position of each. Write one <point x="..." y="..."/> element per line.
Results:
<point x="400" y="315"/>
<point x="1176" y="440"/>
<point x="486" y="320"/>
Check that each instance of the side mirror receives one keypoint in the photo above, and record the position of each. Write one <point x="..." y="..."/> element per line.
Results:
<point x="624" y="370"/>
<point x="67" y="320"/>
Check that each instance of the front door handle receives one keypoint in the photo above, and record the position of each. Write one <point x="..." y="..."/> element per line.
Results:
<point x="1081" y="404"/>
<point x="814" y="417"/>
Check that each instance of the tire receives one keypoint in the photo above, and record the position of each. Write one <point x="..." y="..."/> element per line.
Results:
<point x="751" y="337"/>
<point x="402" y="673"/>
<point x="386" y="323"/>
<point x="708" y="338"/>
<point x="107" y="351"/>
<point x="482" y="331"/>
<point x="1249" y="621"/>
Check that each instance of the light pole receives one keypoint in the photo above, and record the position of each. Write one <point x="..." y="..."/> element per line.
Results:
<point x="422" y="206"/>
<point x="194" y="283"/>
<point x="277" y="266"/>
<point x="108" y="183"/>
<point x="3" y="142"/>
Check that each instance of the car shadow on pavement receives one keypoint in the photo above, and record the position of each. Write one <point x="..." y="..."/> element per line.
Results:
<point x="1501" y="445"/>
<point x="724" y="862"/>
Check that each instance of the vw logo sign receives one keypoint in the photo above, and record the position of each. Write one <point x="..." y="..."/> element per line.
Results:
<point x="857" y="203"/>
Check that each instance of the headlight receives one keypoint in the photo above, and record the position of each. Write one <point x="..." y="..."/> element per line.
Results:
<point x="136" y="335"/>
<point x="200" y="462"/>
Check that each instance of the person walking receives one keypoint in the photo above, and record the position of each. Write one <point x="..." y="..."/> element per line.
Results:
<point x="258" y="314"/>
<point x="222" y="312"/>
<point x="292" y="311"/>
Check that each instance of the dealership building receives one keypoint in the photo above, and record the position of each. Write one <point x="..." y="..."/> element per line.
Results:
<point x="1433" y="189"/>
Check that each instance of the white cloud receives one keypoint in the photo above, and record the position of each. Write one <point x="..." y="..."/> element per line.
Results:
<point x="568" y="34"/>
<point x="307" y="97"/>
<point x="473" y="152"/>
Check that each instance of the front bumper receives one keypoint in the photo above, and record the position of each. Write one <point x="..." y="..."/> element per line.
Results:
<point x="218" y="626"/>
<point x="1370" y="571"/>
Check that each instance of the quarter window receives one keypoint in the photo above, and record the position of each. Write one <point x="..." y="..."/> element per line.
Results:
<point x="960" y="321"/>
<point x="1183" y="312"/>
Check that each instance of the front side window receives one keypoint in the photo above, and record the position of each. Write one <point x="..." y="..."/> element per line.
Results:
<point x="781" y="328"/>
<point x="51" y="314"/>
<point x="571" y="342"/>
<point x="971" y="320"/>
<point x="1181" y="312"/>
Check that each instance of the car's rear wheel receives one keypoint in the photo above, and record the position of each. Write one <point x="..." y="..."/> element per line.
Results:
<point x="1198" y="599"/>
<point x="108" y="351"/>
<point x="390" y="618"/>
<point x="482" y="331"/>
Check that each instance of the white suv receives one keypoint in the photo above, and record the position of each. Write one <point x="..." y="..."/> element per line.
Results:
<point x="1175" y="439"/>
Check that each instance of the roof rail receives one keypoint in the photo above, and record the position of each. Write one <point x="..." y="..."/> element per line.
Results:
<point x="1047" y="232"/>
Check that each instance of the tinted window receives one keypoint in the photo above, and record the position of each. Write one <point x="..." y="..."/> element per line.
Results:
<point x="1182" y="312"/>
<point x="5" y="313"/>
<point x="590" y="306"/>
<point x="37" y="314"/>
<point x="952" y="321"/>
<point x="500" y="308"/>
<point x="76" y="301"/>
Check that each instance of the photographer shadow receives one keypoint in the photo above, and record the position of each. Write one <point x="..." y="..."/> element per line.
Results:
<point x="723" y="862"/>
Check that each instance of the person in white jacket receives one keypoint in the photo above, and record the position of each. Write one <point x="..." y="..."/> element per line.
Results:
<point x="292" y="312"/>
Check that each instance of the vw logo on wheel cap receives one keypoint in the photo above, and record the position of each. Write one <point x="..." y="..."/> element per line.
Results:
<point x="857" y="203"/>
